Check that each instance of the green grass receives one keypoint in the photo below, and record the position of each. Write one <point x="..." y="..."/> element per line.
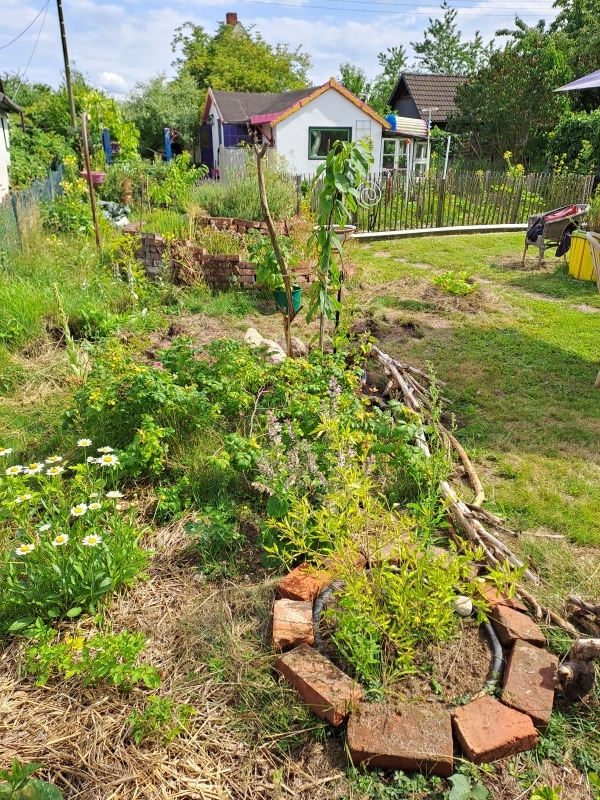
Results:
<point x="520" y="370"/>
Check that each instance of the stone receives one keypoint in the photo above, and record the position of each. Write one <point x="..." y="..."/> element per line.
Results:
<point x="303" y="583"/>
<point x="511" y="625"/>
<point x="529" y="682"/>
<point x="292" y="624"/>
<point x="496" y="598"/>
<point x="328" y="691"/>
<point x="488" y="730"/>
<point x="412" y="736"/>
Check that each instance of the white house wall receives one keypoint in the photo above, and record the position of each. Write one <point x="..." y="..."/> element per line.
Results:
<point x="4" y="156"/>
<point x="330" y="110"/>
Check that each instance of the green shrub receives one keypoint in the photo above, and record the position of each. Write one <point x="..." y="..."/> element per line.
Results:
<point x="238" y="196"/>
<point x="162" y="718"/>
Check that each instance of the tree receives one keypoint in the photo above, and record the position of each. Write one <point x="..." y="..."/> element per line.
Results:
<point x="158" y="103"/>
<point x="238" y="60"/>
<point x="579" y="22"/>
<point x="511" y="104"/>
<point x="393" y="61"/>
<point x="442" y="50"/>
<point x="355" y="80"/>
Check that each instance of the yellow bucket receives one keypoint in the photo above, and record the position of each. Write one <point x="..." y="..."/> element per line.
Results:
<point x="580" y="258"/>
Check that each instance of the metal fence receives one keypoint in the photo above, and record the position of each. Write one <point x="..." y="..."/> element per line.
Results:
<point x="464" y="198"/>
<point x="17" y="207"/>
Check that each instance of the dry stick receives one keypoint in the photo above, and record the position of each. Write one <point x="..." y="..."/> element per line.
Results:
<point x="288" y="317"/>
<point x="467" y="464"/>
<point x="589" y="608"/>
<point x="543" y="611"/>
<point x="473" y="529"/>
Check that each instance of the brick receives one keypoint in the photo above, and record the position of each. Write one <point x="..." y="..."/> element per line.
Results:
<point x="328" y="691"/>
<point x="292" y="624"/>
<point x="529" y="682"/>
<point x="488" y="730"/>
<point x="511" y="625"/>
<point x="496" y="598"/>
<point x="303" y="583"/>
<point x="413" y="736"/>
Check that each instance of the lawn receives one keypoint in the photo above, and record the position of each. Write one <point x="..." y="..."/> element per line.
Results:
<point x="517" y="357"/>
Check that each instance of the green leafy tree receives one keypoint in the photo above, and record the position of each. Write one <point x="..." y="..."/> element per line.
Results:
<point x="511" y="104"/>
<point x="159" y="103"/>
<point x="442" y="50"/>
<point x="579" y="21"/>
<point x="392" y="61"/>
<point x="238" y="60"/>
<point x="355" y="80"/>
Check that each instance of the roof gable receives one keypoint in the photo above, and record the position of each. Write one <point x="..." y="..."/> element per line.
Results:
<point x="429" y="92"/>
<point x="257" y="108"/>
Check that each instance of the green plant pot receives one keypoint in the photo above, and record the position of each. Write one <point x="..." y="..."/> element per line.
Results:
<point x="281" y="298"/>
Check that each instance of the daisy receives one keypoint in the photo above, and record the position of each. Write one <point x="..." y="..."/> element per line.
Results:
<point x="33" y="469"/>
<point x="114" y="494"/>
<point x="53" y="459"/>
<point x="92" y="540"/>
<point x="94" y="494"/>
<point x="55" y="470"/>
<point x="94" y="506"/>
<point x="84" y="442"/>
<point x="44" y="528"/>
<point x="14" y="470"/>
<point x="22" y="498"/>
<point x="79" y="510"/>
<point x="24" y="549"/>
<point x="105" y="449"/>
<point x="91" y="460"/>
<point x="108" y="460"/>
<point x="62" y="538"/>
<point x="5" y="451"/>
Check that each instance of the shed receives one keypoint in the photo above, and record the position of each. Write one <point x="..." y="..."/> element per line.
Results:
<point x="431" y="98"/>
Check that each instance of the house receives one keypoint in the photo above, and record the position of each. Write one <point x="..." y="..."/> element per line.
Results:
<point x="427" y="97"/>
<point x="6" y="107"/>
<point x="298" y="125"/>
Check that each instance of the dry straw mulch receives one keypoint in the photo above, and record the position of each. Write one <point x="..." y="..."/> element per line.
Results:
<point x="209" y="642"/>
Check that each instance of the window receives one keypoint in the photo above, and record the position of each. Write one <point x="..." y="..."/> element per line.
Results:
<point x="235" y="135"/>
<point x="395" y="154"/>
<point x="320" y="140"/>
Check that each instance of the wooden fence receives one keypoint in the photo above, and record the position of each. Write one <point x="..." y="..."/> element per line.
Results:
<point x="466" y="198"/>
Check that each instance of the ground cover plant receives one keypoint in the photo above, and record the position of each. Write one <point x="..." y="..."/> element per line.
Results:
<point x="236" y="465"/>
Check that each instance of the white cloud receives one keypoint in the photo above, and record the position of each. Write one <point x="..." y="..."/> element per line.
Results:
<point x="112" y="81"/>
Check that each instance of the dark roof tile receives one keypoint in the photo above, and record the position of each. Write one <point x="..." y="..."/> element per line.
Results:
<point x="240" y="106"/>
<point x="433" y="91"/>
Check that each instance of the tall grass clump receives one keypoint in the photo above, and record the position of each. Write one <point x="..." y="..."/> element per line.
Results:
<point x="237" y="196"/>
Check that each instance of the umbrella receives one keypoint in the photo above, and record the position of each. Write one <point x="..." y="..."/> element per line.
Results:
<point x="591" y="81"/>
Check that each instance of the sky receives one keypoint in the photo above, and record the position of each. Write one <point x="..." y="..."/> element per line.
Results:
<point x="115" y="45"/>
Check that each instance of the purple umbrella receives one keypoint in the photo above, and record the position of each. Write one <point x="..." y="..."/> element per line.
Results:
<point x="591" y="81"/>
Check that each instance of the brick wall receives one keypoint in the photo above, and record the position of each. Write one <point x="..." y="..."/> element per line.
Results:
<point x="239" y="225"/>
<point x="190" y="263"/>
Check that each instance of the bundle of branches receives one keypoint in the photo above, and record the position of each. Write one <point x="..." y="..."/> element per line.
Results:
<point x="469" y="519"/>
<point x="586" y="615"/>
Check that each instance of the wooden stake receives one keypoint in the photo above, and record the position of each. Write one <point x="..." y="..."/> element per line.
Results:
<point x="88" y="169"/>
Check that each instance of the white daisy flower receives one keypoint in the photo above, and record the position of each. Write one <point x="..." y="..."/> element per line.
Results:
<point x="22" y="498"/>
<point x="84" y="442"/>
<point x="24" y="549"/>
<point x="114" y="494"/>
<point x="79" y="510"/>
<point x="91" y="460"/>
<point x="108" y="460"/>
<point x="61" y="539"/>
<point x="5" y="451"/>
<point x="14" y="470"/>
<point x="55" y="470"/>
<point x="33" y="469"/>
<point x="94" y="494"/>
<point x="92" y="540"/>
<point x="94" y="506"/>
<point x="44" y="528"/>
<point x="53" y="459"/>
<point x="106" y="449"/>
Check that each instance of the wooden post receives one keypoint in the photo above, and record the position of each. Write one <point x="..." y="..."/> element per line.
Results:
<point x="440" y="208"/>
<point x="88" y="168"/>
